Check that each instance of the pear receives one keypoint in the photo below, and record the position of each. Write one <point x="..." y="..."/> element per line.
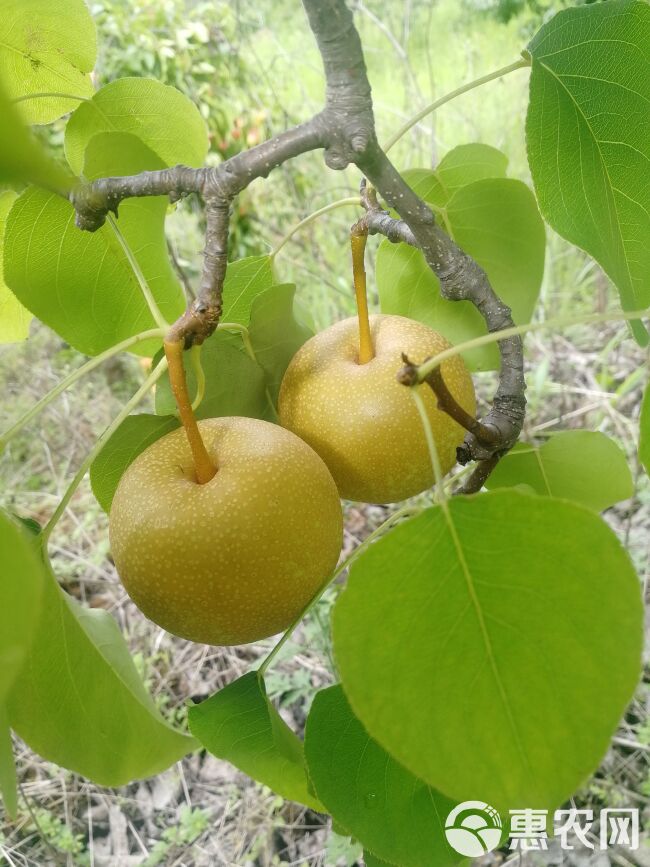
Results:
<point x="235" y="559"/>
<point x="362" y="422"/>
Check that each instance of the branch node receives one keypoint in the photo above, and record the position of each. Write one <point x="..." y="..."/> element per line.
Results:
<point x="360" y="142"/>
<point x="407" y="375"/>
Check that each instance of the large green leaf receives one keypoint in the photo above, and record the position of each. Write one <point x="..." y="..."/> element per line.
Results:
<point x="80" y="283"/>
<point x="588" y="134"/>
<point x="245" y="279"/>
<point x="275" y="333"/>
<point x="644" y="435"/>
<point x="585" y="466"/>
<point x="132" y="437"/>
<point x="21" y="589"/>
<point x="47" y="48"/>
<point x="471" y="162"/>
<point x="79" y="701"/>
<point x="14" y="318"/>
<point x="462" y="165"/>
<point x="22" y="159"/>
<point x="371" y="860"/>
<point x="240" y="725"/>
<point x="235" y="383"/>
<point x="491" y="646"/>
<point x="159" y="115"/>
<point x="497" y="222"/>
<point x="386" y="808"/>
<point x="8" y="778"/>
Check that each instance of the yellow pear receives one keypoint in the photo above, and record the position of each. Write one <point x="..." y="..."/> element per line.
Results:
<point x="237" y="558"/>
<point x="360" y="420"/>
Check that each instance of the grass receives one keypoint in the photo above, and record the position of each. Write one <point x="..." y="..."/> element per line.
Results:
<point x="202" y="811"/>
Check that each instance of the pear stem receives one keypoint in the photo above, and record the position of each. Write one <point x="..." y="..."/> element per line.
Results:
<point x="358" y="240"/>
<point x="203" y="464"/>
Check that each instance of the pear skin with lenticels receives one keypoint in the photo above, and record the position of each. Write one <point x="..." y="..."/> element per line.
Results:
<point x="362" y="422"/>
<point x="235" y="559"/>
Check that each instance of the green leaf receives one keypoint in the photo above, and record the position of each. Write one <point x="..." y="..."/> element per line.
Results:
<point x="467" y="163"/>
<point x="47" y="48"/>
<point x="588" y="134"/>
<point x="275" y="333"/>
<point x="22" y="159"/>
<point x="14" y="319"/>
<point x="79" y="701"/>
<point x="644" y="436"/>
<point x="21" y="590"/>
<point x="371" y="861"/>
<point x="497" y="222"/>
<point x="235" y="384"/>
<point x="162" y="117"/>
<point x="132" y="437"/>
<point x="81" y="283"/>
<point x="240" y="725"/>
<point x="460" y="166"/>
<point x="8" y="780"/>
<point x="492" y="646"/>
<point x="584" y="466"/>
<point x="245" y="279"/>
<point x="391" y="812"/>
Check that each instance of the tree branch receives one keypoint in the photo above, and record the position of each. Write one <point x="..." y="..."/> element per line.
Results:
<point x="202" y="315"/>
<point x="345" y="130"/>
<point x="478" y="478"/>
<point x="218" y="186"/>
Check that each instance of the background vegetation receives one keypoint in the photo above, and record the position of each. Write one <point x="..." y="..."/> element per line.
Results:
<point x="252" y="69"/>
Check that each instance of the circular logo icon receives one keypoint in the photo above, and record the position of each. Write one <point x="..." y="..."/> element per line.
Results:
<point x="473" y="828"/>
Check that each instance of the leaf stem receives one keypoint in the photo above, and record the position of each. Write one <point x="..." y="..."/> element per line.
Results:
<point x="199" y="375"/>
<point x="382" y="528"/>
<point x="159" y="319"/>
<point x="465" y="88"/>
<point x="72" y="378"/>
<point x="440" y="492"/>
<point x="153" y="377"/>
<point x="424" y="369"/>
<point x="203" y="464"/>
<point x="339" y="203"/>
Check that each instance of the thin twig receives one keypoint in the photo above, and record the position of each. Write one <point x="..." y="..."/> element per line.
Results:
<point x="448" y="404"/>
<point x="190" y="294"/>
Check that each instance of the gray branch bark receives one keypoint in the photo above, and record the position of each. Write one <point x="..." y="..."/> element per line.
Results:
<point x="345" y="131"/>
